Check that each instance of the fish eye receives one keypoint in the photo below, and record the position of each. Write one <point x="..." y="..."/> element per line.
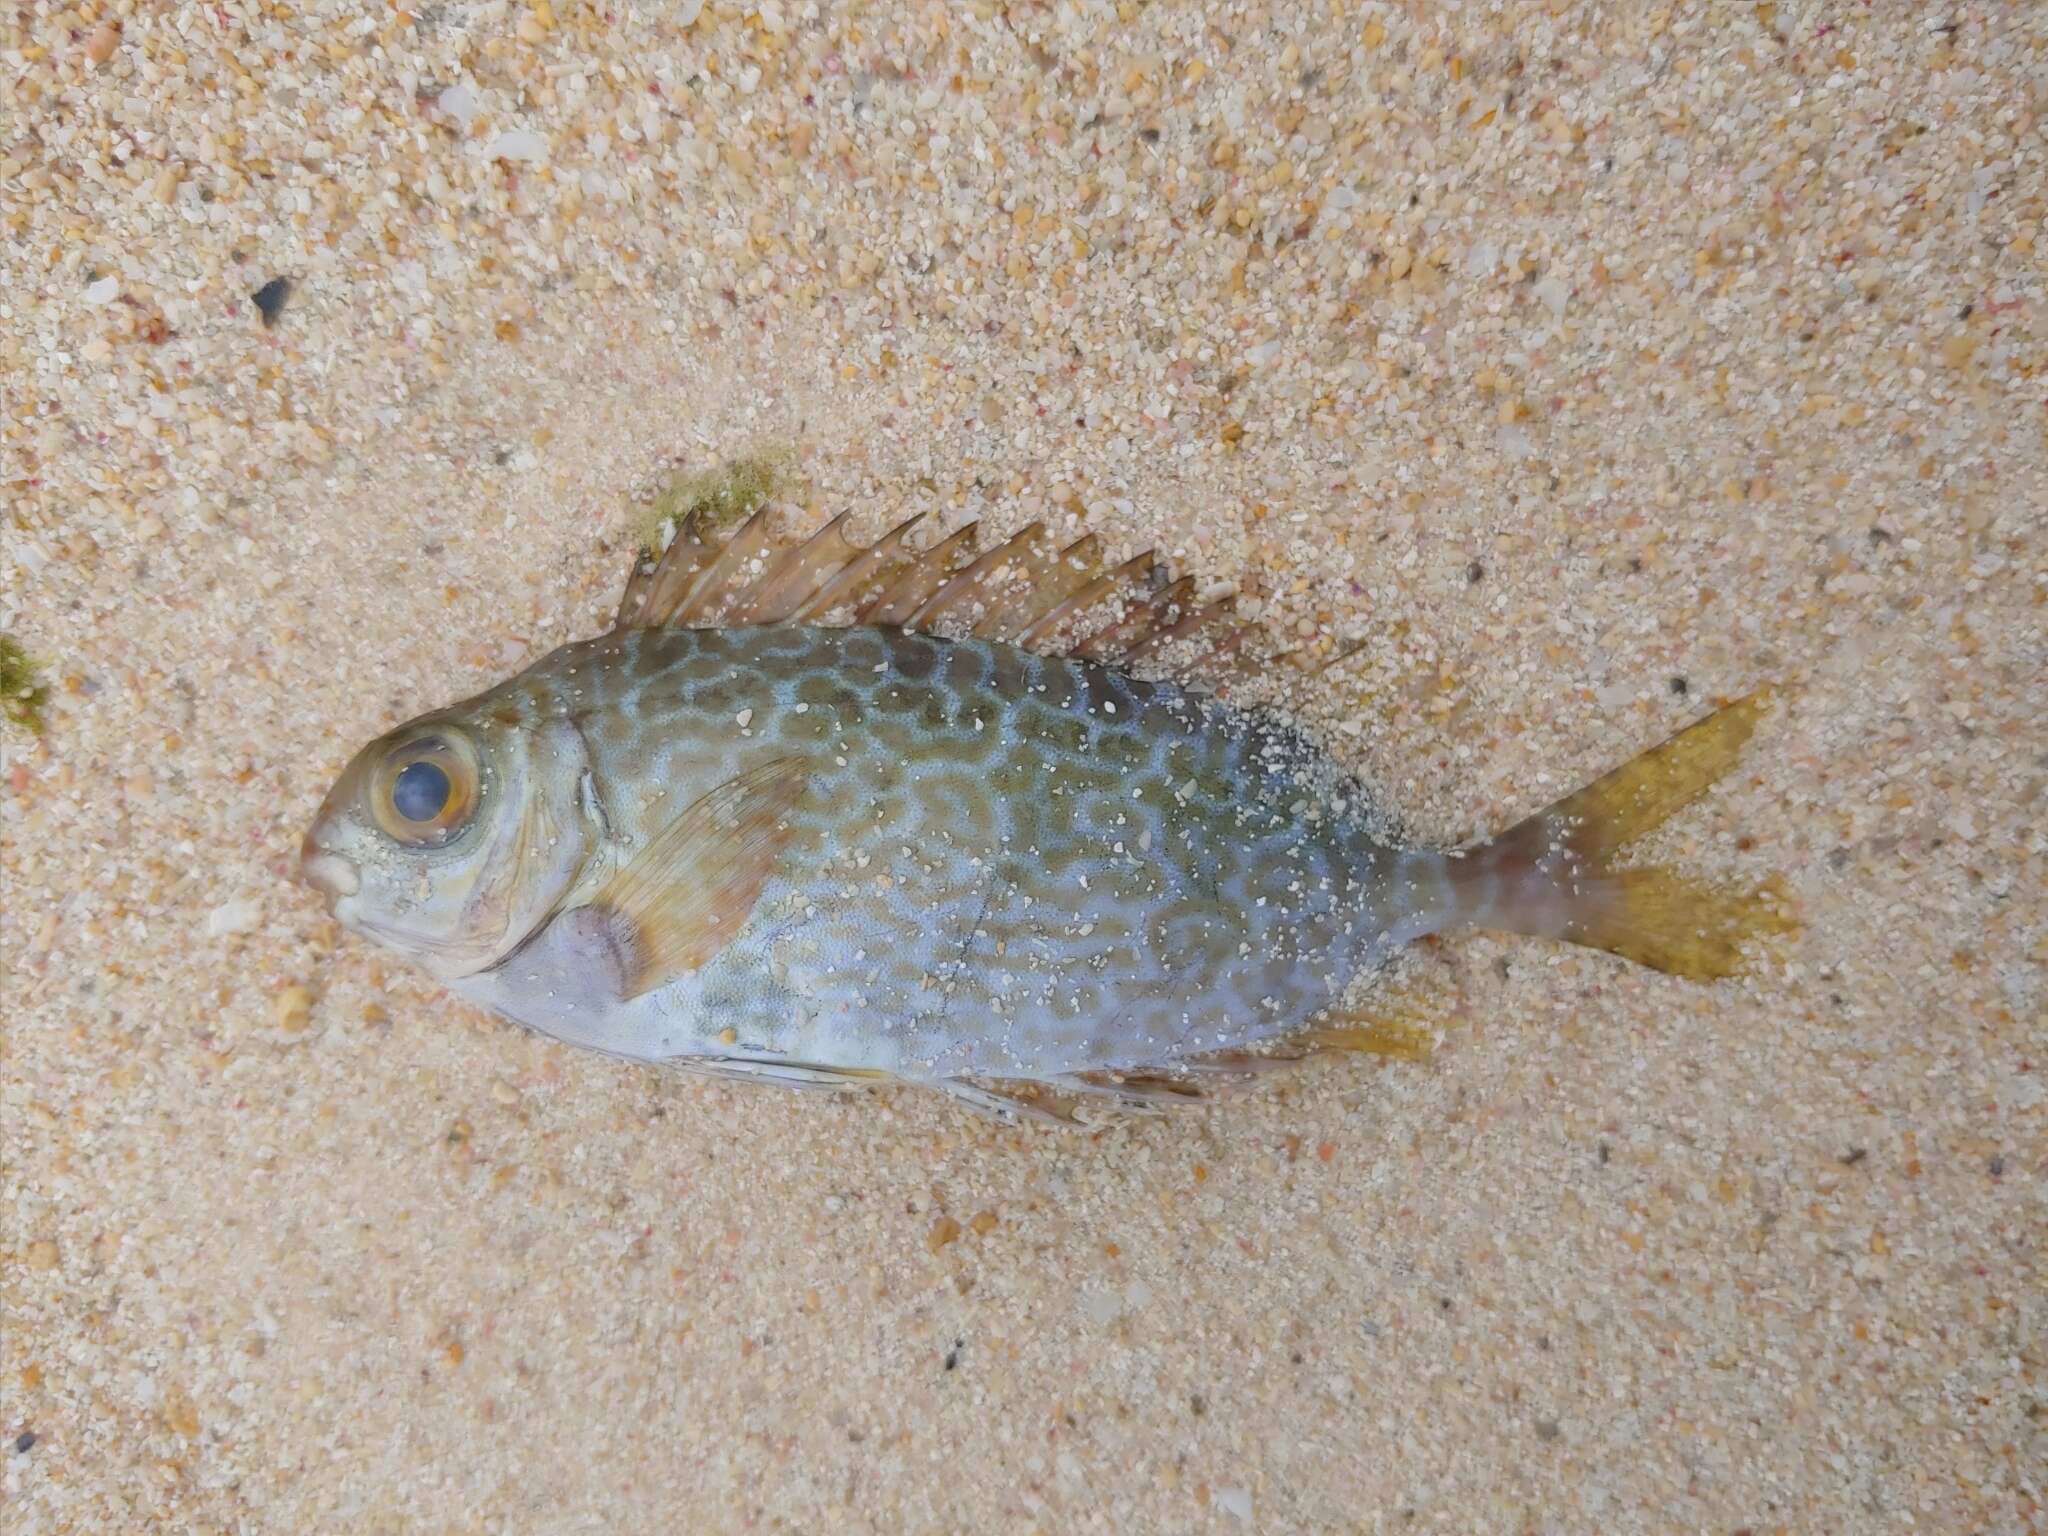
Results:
<point x="424" y="790"/>
<point x="421" y="791"/>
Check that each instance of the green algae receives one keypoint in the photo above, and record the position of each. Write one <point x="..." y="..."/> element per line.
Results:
<point x="713" y="500"/>
<point x="22" y="691"/>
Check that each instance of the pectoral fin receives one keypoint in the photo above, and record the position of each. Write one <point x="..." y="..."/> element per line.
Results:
<point x="689" y="892"/>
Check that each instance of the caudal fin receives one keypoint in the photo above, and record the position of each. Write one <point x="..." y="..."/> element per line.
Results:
<point x="1552" y="876"/>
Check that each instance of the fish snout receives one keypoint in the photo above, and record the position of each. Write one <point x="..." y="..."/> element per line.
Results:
<point x="326" y="871"/>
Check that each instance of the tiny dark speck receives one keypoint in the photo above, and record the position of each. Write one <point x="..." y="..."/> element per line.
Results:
<point x="1603" y="1154"/>
<point x="501" y="457"/>
<point x="1680" y="686"/>
<point x="1475" y="573"/>
<point x="1854" y="1156"/>
<point x="25" y="1441"/>
<point x="1444" y="1302"/>
<point x="1997" y="1166"/>
<point x="270" y="298"/>
<point x="953" y="1355"/>
<point x="1546" y="1429"/>
<point x="1296" y="1357"/>
<point x="1199" y="1404"/>
<point x="1149" y="135"/>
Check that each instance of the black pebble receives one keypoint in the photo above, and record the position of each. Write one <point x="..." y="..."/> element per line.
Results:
<point x="270" y="298"/>
<point x="25" y="1441"/>
<point x="1680" y="686"/>
<point x="1854" y="1156"/>
<point x="1475" y="573"/>
<point x="953" y="1355"/>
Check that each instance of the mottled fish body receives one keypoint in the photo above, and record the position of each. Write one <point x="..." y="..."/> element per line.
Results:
<point x="1001" y="864"/>
<point x="780" y="848"/>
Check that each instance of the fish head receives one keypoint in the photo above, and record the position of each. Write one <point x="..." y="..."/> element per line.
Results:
<point x="453" y="838"/>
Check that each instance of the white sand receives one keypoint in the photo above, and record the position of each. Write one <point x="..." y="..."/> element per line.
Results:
<point x="1556" y="353"/>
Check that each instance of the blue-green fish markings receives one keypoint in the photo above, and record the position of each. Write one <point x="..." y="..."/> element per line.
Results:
<point x="775" y="825"/>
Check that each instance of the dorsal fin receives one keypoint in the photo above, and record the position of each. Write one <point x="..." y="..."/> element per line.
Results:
<point x="1138" y="622"/>
<point x="1025" y="590"/>
<point x="916" y="578"/>
<point x="1091" y="591"/>
<point x="975" y="580"/>
<point x="797" y="573"/>
<point x="862" y="577"/>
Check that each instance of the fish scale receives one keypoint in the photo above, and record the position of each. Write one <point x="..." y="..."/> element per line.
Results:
<point x="992" y="862"/>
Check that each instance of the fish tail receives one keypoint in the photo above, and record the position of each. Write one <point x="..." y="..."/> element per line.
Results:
<point x="1553" y="876"/>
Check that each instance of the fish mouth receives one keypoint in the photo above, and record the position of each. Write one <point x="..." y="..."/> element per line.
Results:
<point x="329" y="873"/>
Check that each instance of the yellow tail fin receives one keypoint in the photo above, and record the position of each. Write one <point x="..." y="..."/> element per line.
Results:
<point x="1551" y="875"/>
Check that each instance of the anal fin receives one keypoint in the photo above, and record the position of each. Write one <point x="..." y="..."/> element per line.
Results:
<point x="782" y="1074"/>
<point x="1394" y="1026"/>
<point x="1010" y="1103"/>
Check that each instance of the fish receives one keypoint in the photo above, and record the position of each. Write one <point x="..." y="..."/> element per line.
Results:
<point x="835" y="814"/>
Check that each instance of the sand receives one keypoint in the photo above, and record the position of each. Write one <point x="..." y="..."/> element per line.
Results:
<point x="1583" y="365"/>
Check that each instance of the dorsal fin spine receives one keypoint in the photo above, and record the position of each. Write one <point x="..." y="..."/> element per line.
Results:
<point x="1024" y="590"/>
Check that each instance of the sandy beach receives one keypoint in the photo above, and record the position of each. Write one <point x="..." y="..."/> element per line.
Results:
<point x="1581" y="366"/>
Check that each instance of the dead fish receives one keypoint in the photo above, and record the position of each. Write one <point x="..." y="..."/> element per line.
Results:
<point x="834" y="814"/>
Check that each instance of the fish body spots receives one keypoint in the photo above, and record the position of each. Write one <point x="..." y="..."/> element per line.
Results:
<point x="1007" y="863"/>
